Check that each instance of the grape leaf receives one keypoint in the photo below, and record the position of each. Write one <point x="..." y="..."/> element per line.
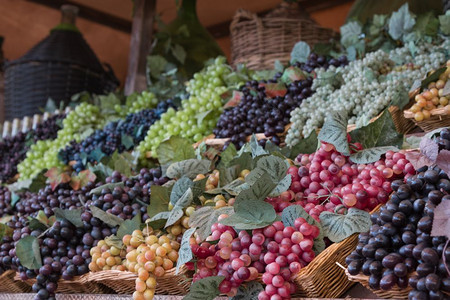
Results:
<point x="71" y="215"/>
<point x="179" y="188"/>
<point x="204" y="217"/>
<point x="260" y="188"/>
<point x="278" y="65"/>
<point x="174" y="149"/>
<point x="293" y="212"/>
<point x="82" y="179"/>
<point x="127" y="141"/>
<point x="292" y="74"/>
<point x="275" y="166"/>
<point x="401" y="22"/>
<point x="248" y="291"/>
<point x="432" y="77"/>
<point x="56" y="176"/>
<point x="305" y="146"/>
<point x="113" y="240"/>
<point x="441" y="220"/>
<point x="159" y="200"/>
<point x="205" y="289"/>
<point x="256" y="149"/>
<point x="5" y="230"/>
<point x="334" y="131"/>
<point x="128" y="226"/>
<point x="426" y="24"/>
<point x="185" y="253"/>
<point x="429" y="148"/>
<point x="14" y="199"/>
<point x="370" y="155"/>
<point x="227" y="155"/>
<point x="28" y="252"/>
<point x="350" y="33"/>
<point x="273" y="90"/>
<point x="201" y="117"/>
<point x="106" y="217"/>
<point x="443" y="161"/>
<point x="444" y="22"/>
<point x="338" y="227"/>
<point x="175" y="214"/>
<point x="227" y="175"/>
<point x="282" y="186"/>
<point x="232" y="98"/>
<point x="381" y="132"/>
<point x="322" y="48"/>
<point x="300" y="52"/>
<point x="189" y="168"/>
<point x="101" y="170"/>
<point x="109" y="186"/>
<point x="244" y="161"/>
<point x="179" y="53"/>
<point x="418" y="160"/>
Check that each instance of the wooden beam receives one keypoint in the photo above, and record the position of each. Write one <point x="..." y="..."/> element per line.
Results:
<point x="90" y="14"/>
<point x="140" y="45"/>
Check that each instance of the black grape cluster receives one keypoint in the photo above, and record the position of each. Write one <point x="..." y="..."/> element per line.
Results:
<point x="109" y="139"/>
<point x="443" y="140"/>
<point x="258" y="113"/>
<point x="13" y="149"/>
<point x="5" y="202"/>
<point x="64" y="248"/>
<point x="400" y="244"/>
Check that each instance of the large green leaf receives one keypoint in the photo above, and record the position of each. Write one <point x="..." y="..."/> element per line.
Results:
<point x="159" y="200"/>
<point x="179" y="188"/>
<point x="338" y="227"/>
<point x="28" y="252"/>
<point x="71" y="215"/>
<point x="370" y="155"/>
<point x="185" y="253"/>
<point x="189" y="168"/>
<point x="401" y="22"/>
<point x="128" y="226"/>
<point x="334" y="131"/>
<point x="205" y="288"/>
<point x="350" y="33"/>
<point x="106" y="217"/>
<point x="203" y="218"/>
<point x="300" y="52"/>
<point x="174" y="149"/>
<point x="305" y="146"/>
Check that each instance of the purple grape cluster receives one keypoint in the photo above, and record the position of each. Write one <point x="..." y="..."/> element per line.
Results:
<point x="13" y="149"/>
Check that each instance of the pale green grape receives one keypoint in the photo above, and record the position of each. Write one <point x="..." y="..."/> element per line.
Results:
<point x="44" y="154"/>
<point x="137" y="102"/>
<point x="205" y="101"/>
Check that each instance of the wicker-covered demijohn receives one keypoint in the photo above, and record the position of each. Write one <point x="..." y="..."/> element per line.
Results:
<point x="260" y="41"/>
<point x="58" y="67"/>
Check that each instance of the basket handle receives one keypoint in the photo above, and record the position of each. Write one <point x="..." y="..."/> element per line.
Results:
<point x="242" y="15"/>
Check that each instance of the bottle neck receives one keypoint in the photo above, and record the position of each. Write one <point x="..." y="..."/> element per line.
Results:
<point x="188" y="9"/>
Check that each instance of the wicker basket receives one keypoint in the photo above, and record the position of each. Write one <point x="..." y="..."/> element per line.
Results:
<point x="123" y="282"/>
<point x="78" y="285"/>
<point x="394" y="293"/>
<point x="260" y="41"/>
<point x="440" y="117"/>
<point x="9" y="285"/>
<point x="58" y="67"/>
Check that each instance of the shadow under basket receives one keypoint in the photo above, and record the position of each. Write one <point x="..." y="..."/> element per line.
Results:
<point x="123" y="282"/>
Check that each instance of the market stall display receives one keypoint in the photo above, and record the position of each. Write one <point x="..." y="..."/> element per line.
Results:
<point x="256" y="185"/>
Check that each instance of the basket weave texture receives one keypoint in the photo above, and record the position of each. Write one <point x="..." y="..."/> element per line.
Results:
<point x="58" y="67"/>
<point x="259" y="41"/>
<point x="123" y="282"/>
<point x="9" y="285"/>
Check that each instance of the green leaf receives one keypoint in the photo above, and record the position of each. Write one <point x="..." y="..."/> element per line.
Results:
<point x="334" y="79"/>
<point x="241" y="223"/>
<point x="339" y="227"/>
<point x="5" y="230"/>
<point x="38" y="223"/>
<point x="401" y="22"/>
<point x="227" y="175"/>
<point x="381" y="132"/>
<point x="278" y="66"/>
<point x="179" y="53"/>
<point x="351" y="53"/>
<point x="179" y="188"/>
<point x="175" y="214"/>
<point x="127" y="141"/>
<point x="14" y="199"/>
<point x="110" y="186"/>
<point x="275" y="166"/>
<point x="300" y="52"/>
<point x="273" y="90"/>
<point x="189" y="168"/>
<point x="185" y="253"/>
<point x="249" y="291"/>
<point x="128" y="226"/>
<point x="86" y="133"/>
<point x="174" y="149"/>
<point x="260" y="188"/>
<point x="293" y="212"/>
<point x="444" y="22"/>
<point x="159" y="200"/>
<point x="205" y="288"/>
<point x="350" y="33"/>
<point x="282" y="186"/>
<point x="400" y="98"/>
<point x="370" y="155"/>
<point x="28" y="252"/>
<point x="204" y="217"/>
<point x="322" y="48"/>
<point x="370" y="75"/>
<point x="227" y="155"/>
<point x="201" y="117"/>
<point x="198" y="188"/>
<point x="305" y="146"/>
<point x="432" y="77"/>
<point x="97" y="155"/>
<point x="256" y="149"/>
<point x="427" y="24"/>
<point x="334" y="131"/>
<point x="378" y="23"/>
<point x="113" y="240"/>
<point x="244" y="161"/>
<point x="156" y="65"/>
<point x="110" y="219"/>
<point x="71" y="215"/>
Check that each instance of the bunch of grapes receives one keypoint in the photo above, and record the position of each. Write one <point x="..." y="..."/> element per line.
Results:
<point x="433" y="97"/>
<point x="44" y="154"/>
<point x="316" y="61"/>
<point x="135" y="103"/>
<point x="110" y="138"/>
<point x="399" y="249"/>
<point x="5" y="202"/>
<point x="277" y="251"/>
<point x="149" y="256"/>
<point x="13" y="149"/>
<point x="204" y="101"/>
<point x="327" y="181"/>
<point x="443" y="140"/>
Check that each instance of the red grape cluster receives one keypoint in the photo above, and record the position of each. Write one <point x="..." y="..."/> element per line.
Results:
<point x="328" y="180"/>
<point x="277" y="251"/>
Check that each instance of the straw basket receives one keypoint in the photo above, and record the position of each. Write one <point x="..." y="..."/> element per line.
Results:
<point x="9" y="285"/>
<point x="440" y="117"/>
<point x="123" y="282"/>
<point x="75" y="286"/>
<point x="260" y="41"/>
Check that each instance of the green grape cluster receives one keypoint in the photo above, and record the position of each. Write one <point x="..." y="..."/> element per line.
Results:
<point x="198" y="114"/>
<point x="44" y="154"/>
<point x="136" y="103"/>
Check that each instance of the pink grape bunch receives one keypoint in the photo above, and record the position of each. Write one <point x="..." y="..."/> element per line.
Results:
<point x="277" y="252"/>
<point x="328" y="181"/>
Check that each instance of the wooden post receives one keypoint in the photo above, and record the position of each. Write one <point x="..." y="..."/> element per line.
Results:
<point x="140" y="44"/>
